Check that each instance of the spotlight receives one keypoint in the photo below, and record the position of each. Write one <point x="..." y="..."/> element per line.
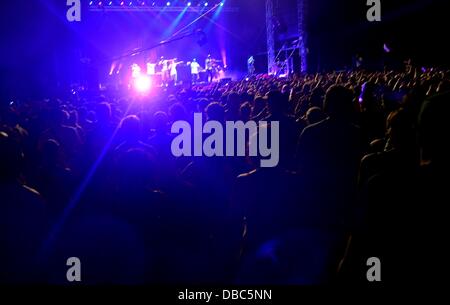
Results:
<point x="122" y="3"/>
<point x="189" y="4"/>
<point x="110" y="3"/>
<point x="206" y="3"/>
<point x="143" y="3"/>
<point x="168" y="3"/>
<point x="100" y="3"/>
<point x="92" y="2"/>
<point x="221" y="3"/>
<point x="142" y="84"/>
<point x="131" y="3"/>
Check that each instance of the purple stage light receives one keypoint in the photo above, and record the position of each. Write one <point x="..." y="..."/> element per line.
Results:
<point x="92" y="2"/>
<point x="100" y="3"/>
<point x="168" y="3"/>
<point x="142" y="84"/>
<point x="206" y="3"/>
<point x="122" y="3"/>
<point x="110" y="3"/>
<point x="131" y="3"/>
<point x="189" y="4"/>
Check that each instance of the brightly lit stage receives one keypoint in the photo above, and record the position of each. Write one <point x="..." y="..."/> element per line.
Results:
<point x="148" y="33"/>
<point x="115" y="35"/>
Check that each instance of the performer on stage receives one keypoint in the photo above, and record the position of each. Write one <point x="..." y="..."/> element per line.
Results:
<point x="165" y="76"/>
<point x="209" y="68"/>
<point x="251" y="66"/>
<point x="173" y="70"/>
<point x="135" y="70"/>
<point x="151" y="69"/>
<point x="195" y="70"/>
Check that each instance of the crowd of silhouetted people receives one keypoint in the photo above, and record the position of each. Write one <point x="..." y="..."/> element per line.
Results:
<point x="362" y="173"/>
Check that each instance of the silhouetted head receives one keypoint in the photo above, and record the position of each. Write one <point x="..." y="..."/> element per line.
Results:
<point x="58" y="117"/>
<point x="10" y="158"/>
<point x="367" y="97"/>
<point x="161" y="121"/>
<point x="130" y="127"/>
<point x="412" y="101"/>
<point x="444" y="86"/>
<point x="316" y="99"/>
<point x="202" y="104"/>
<point x="103" y="112"/>
<point x="400" y="130"/>
<point x="50" y="151"/>
<point x="73" y="118"/>
<point x="259" y="104"/>
<point x="245" y="111"/>
<point x="315" y="115"/>
<point x="434" y="129"/>
<point x="277" y="102"/>
<point x="338" y="102"/>
<point x="215" y="112"/>
<point x="234" y="102"/>
<point x="177" y="112"/>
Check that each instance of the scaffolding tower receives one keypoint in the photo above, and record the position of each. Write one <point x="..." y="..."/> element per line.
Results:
<point x="302" y="35"/>
<point x="270" y="36"/>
